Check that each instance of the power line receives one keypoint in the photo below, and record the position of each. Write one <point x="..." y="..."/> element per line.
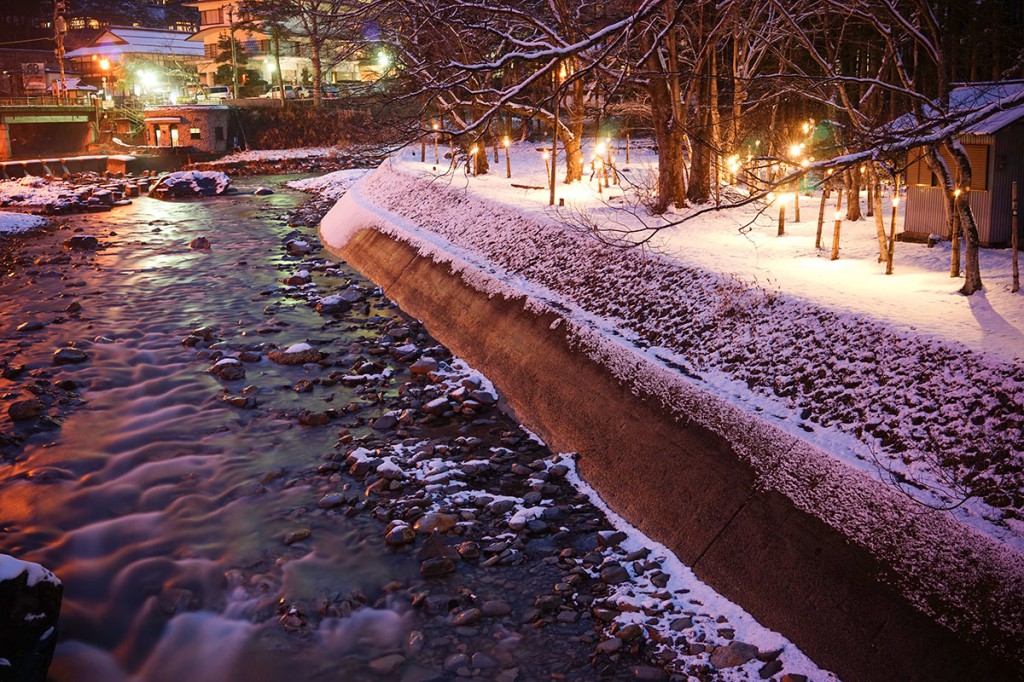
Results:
<point x="32" y="40"/>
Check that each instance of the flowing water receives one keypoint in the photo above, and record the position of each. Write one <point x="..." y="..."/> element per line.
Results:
<point x="161" y="507"/>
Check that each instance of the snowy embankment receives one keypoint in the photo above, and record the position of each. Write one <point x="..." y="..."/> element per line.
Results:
<point x="15" y="223"/>
<point x="844" y="384"/>
<point x="942" y="422"/>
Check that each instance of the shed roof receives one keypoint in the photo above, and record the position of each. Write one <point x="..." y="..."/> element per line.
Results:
<point x="118" y="40"/>
<point x="974" y="96"/>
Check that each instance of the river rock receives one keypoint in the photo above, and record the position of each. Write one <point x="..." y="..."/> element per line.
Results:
<point x="297" y="354"/>
<point x="199" y="244"/>
<point x="424" y="365"/>
<point x="30" y="326"/>
<point x="436" y="521"/>
<point x="228" y="369"/>
<point x="297" y="247"/>
<point x="333" y="304"/>
<point x="262" y="191"/>
<point x="23" y="410"/>
<point x="184" y="184"/>
<point x="614" y="574"/>
<point x="81" y="242"/>
<point x="69" y="356"/>
<point x="387" y="665"/>
<point x="400" y="535"/>
<point x="467" y="617"/>
<point x="30" y="598"/>
<point x="735" y="654"/>
<point x="436" y="567"/>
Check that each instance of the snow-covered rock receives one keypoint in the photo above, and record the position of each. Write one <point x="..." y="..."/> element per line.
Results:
<point x="184" y="184"/>
<point x="30" y="598"/>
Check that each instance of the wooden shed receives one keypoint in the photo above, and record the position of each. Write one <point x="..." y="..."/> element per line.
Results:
<point x="995" y="147"/>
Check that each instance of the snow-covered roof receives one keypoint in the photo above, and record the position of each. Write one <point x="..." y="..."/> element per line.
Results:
<point x="118" y="40"/>
<point x="970" y="97"/>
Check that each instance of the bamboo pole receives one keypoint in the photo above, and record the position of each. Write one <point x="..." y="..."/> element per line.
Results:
<point x="892" y="231"/>
<point x="1014" y="238"/>
<point x="821" y="217"/>
<point x="838" y="225"/>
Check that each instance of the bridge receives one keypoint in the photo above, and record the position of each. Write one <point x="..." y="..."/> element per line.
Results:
<point x="47" y="111"/>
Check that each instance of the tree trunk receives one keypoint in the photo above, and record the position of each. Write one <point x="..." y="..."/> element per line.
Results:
<point x="876" y="210"/>
<point x="852" y="179"/>
<point x="965" y="217"/>
<point x="317" y="66"/>
<point x="667" y="118"/>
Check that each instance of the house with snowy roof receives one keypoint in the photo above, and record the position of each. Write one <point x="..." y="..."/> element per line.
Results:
<point x="995" y="147"/>
<point x="113" y="51"/>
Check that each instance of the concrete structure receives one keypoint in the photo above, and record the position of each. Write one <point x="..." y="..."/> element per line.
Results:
<point x="32" y="127"/>
<point x="802" y="542"/>
<point x="995" y="147"/>
<point x="196" y="128"/>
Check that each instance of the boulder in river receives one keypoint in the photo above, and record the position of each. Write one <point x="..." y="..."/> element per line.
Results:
<point x="185" y="184"/>
<point x="30" y="599"/>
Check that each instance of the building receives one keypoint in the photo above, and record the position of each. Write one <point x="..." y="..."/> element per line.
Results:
<point x="135" y="61"/>
<point x="218" y="17"/>
<point x="203" y="129"/>
<point x="995" y="147"/>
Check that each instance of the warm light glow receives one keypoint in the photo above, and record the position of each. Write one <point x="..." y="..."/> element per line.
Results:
<point x="505" y="142"/>
<point x="895" y="202"/>
<point x="547" y="155"/>
<point x="829" y="172"/>
<point x="956" y="192"/>
<point x="733" y="163"/>
<point x="805" y="163"/>
<point x="270" y="67"/>
<point x="600" y="149"/>
<point x="770" y="198"/>
<point x="435" y="126"/>
<point x="147" y="78"/>
<point x="104" y="64"/>
<point x="472" y="150"/>
<point x="383" y="59"/>
<point x="863" y="168"/>
<point x="807" y="128"/>
<point x="795" y="150"/>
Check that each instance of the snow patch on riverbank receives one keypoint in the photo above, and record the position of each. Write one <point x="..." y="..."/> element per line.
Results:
<point x="15" y="223"/>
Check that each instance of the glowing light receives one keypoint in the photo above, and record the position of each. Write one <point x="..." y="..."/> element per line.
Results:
<point x="895" y="202"/>
<point x="863" y="168"/>
<point x="805" y="163"/>
<point x="147" y="78"/>
<point x="435" y="125"/>
<point x="807" y="128"/>
<point x="770" y="198"/>
<point x="600" y="149"/>
<point x="104" y="64"/>
<point x="472" y="150"/>
<point x="795" y="150"/>
<point x="829" y="172"/>
<point x="733" y="163"/>
<point x="270" y="67"/>
<point x="505" y="142"/>
<point x="383" y="59"/>
<point x="547" y="155"/>
<point x="956" y="192"/>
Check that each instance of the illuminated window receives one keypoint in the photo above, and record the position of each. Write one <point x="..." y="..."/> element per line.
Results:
<point x="195" y="133"/>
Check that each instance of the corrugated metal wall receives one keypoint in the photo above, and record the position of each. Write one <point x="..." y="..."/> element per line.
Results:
<point x="1009" y="166"/>
<point x="926" y="212"/>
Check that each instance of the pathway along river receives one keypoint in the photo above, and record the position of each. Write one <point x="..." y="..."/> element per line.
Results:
<point x="213" y="529"/>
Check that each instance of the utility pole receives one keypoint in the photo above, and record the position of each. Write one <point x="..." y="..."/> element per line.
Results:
<point x="60" y="28"/>
<point x="234" y="52"/>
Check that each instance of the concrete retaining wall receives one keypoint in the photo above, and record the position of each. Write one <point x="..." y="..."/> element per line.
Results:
<point x="730" y="495"/>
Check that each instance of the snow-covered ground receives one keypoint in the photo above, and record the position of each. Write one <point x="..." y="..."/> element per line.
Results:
<point x="899" y="376"/>
<point x="270" y="155"/>
<point x="331" y="186"/>
<point x="32" y="190"/>
<point x="13" y="223"/>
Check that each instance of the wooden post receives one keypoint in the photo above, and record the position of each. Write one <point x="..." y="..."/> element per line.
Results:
<point x="423" y="150"/>
<point x="782" y="214"/>
<point x="954" y="256"/>
<point x="796" y="202"/>
<point x="838" y="225"/>
<point x="1014" y="237"/>
<point x="547" y="168"/>
<point x="821" y="217"/>
<point x="554" y="142"/>
<point x="437" y="155"/>
<point x="627" y="148"/>
<point x="508" y="161"/>
<point x="892" y="231"/>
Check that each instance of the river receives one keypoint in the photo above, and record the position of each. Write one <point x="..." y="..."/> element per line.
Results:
<point x="187" y="529"/>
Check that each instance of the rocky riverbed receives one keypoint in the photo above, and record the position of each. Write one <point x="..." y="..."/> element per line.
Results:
<point x="217" y="435"/>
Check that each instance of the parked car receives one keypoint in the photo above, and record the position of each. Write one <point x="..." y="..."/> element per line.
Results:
<point x="217" y="92"/>
<point x="303" y="91"/>
<point x="275" y="93"/>
<point x="329" y="91"/>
